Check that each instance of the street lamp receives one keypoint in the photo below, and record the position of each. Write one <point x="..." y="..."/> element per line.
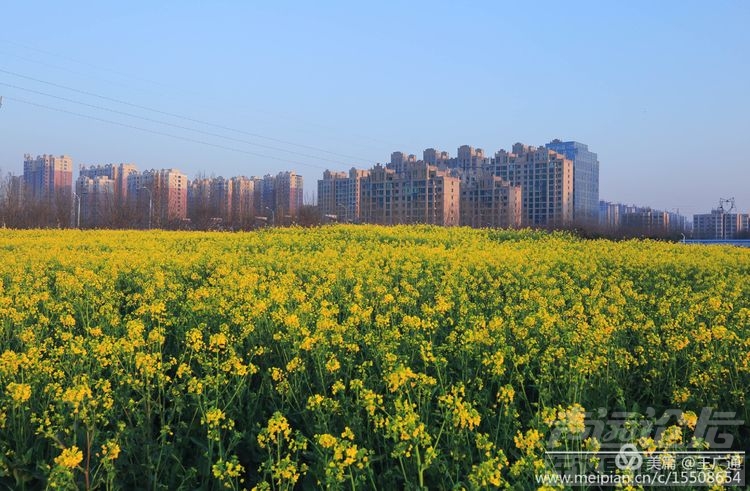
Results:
<point x="150" y="204"/>
<point x="273" y="216"/>
<point x="78" y="209"/>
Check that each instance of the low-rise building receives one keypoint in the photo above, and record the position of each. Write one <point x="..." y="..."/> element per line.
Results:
<point x="720" y="225"/>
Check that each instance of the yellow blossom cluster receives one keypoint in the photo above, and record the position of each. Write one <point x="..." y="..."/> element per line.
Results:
<point x="70" y="457"/>
<point x="352" y="356"/>
<point x="19" y="392"/>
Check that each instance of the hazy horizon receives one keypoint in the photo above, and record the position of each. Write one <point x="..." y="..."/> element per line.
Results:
<point x="658" y="91"/>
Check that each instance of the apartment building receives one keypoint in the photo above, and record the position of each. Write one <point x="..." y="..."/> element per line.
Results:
<point x="48" y="178"/>
<point x="489" y="201"/>
<point x="585" y="179"/>
<point x="421" y="193"/>
<point x="609" y="215"/>
<point x="645" y="220"/>
<point x="117" y="173"/>
<point x="102" y="191"/>
<point x="435" y="157"/>
<point x="720" y="225"/>
<point x="470" y="161"/>
<point x="287" y="197"/>
<point x="96" y="206"/>
<point x="546" y="181"/>
<point x="160" y="196"/>
<point x="340" y="195"/>
<point x="220" y="196"/>
<point x="199" y="200"/>
<point x="399" y="161"/>
<point x="243" y="201"/>
<point x="639" y="219"/>
<point x="48" y="190"/>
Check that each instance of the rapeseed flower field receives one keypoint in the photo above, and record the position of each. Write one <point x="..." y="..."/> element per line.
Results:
<point x="351" y="357"/>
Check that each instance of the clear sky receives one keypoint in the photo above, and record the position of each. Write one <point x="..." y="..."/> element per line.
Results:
<point x="660" y="90"/>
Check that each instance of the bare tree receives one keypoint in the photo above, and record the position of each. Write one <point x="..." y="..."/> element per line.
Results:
<point x="309" y="216"/>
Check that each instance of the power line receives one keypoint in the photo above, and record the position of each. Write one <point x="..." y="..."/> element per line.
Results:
<point x="84" y="63"/>
<point x="161" y="133"/>
<point x="207" y="133"/>
<point x="160" y="84"/>
<point x="178" y="116"/>
<point x="108" y="80"/>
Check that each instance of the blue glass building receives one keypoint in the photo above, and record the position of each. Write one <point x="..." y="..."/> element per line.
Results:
<point x="585" y="179"/>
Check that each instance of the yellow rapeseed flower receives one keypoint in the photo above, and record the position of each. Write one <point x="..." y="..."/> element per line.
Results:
<point x="20" y="393"/>
<point x="70" y="457"/>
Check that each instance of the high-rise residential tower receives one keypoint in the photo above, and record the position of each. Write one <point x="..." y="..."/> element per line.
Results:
<point x="546" y="181"/>
<point x="48" y="186"/>
<point x="470" y="161"/>
<point x="585" y="179"/>
<point x="489" y="201"/>
<point x="160" y="196"/>
<point x="421" y="193"/>
<point x="47" y="178"/>
<point x="288" y="196"/>
<point x="339" y="194"/>
<point x="102" y="192"/>
<point x="243" y="203"/>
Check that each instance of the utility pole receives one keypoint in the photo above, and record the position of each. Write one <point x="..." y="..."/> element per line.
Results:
<point x="78" y="207"/>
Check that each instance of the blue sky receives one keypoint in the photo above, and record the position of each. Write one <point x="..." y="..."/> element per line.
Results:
<point x="658" y="89"/>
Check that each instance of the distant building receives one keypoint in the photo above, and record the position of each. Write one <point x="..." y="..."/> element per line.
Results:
<point x="243" y="202"/>
<point x="266" y="196"/>
<point x="102" y="191"/>
<point x="333" y="194"/>
<point x="609" y="214"/>
<point x="117" y="173"/>
<point x="47" y="178"/>
<point x="164" y="191"/>
<point x="96" y="206"/>
<point x="221" y="198"/>
<point x="720" y="224"/>
<point x="639" y="219"/>
<point x="585" y="179"/>
<point x="470" y="161"/>
<point x="258" y="192"/>
<point x="678" y="222"/>
<point x="220" y="202"/>
<point x="646" y="220"/>
<point x="288" y="197"/>
<point x="399" y="160"/>
<point x="546" y="181"/>
<point x="48" y="183"/>
<point x="421" y="193"/>
<point x="271" y="198"/>
<point x="339" y="194"/>
<point x="436" y="157"/>
<point x="199" y="209"/>
<point x="489" y="201"/>
<point x="529" y="186"/>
